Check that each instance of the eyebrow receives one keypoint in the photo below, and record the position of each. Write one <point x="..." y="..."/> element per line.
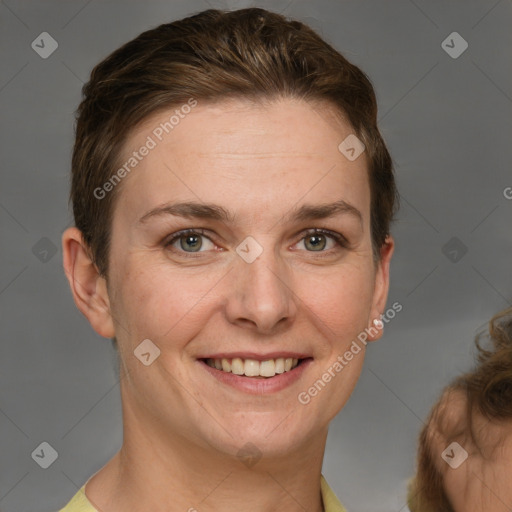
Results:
<point x="216" y="212"/>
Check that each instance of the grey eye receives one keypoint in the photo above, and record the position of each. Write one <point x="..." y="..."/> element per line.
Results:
<point x="193" y="242"/>
<point x="315" y="242"/>
<point x="189" y="242"/>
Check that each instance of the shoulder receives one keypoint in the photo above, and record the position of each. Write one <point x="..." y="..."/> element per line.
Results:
<point x="330" y="500"/>
<point x="79" y="503"/>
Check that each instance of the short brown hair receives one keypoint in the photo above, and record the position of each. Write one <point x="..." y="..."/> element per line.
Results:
<point x="248" y="53"/>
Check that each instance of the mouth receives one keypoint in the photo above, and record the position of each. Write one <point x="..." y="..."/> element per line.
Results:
<point x="253" y="368"/>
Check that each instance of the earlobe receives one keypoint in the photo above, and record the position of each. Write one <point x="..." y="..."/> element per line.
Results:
<point x="87" y="285"/>
<point x="381" y="289"/>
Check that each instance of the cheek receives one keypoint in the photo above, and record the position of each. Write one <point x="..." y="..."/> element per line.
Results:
<point x="340" y="299"/>
<point x="153" y="302"/>
<point x="158" y="302"/>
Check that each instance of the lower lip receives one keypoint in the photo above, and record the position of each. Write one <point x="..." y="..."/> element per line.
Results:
<point x="257" y="386"/>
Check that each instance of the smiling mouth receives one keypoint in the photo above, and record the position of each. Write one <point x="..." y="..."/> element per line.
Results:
<point x="253" y="368"/>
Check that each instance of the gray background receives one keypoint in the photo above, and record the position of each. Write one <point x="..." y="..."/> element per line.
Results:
<point x="448" y="126"/>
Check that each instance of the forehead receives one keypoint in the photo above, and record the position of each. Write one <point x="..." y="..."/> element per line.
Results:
<point x="238" y="151"/>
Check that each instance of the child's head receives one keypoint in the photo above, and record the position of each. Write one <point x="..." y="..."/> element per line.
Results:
<point x="474" y="411"/>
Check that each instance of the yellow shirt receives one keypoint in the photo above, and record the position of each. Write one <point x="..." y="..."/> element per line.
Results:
<point x="80" y="503"/>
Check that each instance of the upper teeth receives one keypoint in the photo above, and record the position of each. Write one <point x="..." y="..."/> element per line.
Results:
<point x="253" y="368"/>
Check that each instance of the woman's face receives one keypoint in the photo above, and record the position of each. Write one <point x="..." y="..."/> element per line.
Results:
<point x="250" y="281"/>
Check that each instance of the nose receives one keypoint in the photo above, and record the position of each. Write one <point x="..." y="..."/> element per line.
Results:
<point x="261" y="294"/>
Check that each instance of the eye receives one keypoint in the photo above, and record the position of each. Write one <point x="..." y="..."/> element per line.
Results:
<point x="189" y="240"/>
<point x="317" y="240"/>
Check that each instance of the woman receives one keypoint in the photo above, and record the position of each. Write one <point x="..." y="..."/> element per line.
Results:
<point x="466" y="445"/>
<point x="232" y="197"/>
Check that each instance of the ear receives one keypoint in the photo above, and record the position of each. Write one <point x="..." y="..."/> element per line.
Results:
<point x="380" y="293"/>
<point x="88" y="287"/>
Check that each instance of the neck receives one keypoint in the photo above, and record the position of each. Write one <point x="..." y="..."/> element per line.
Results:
<point x="168" y="473"/>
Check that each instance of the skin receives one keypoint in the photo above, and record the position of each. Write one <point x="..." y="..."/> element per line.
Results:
<point x="182" y="427"/>
<point x="483" y="482"/>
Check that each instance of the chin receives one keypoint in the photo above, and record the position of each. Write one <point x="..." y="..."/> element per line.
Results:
<point x="273" y="436"/>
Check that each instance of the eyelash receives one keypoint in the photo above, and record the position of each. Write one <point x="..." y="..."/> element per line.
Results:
<point x="339" y="239"/>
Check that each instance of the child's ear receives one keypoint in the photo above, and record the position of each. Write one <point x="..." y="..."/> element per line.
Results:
<point x="88" y="287"/>
<point x="380" y="293"/>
